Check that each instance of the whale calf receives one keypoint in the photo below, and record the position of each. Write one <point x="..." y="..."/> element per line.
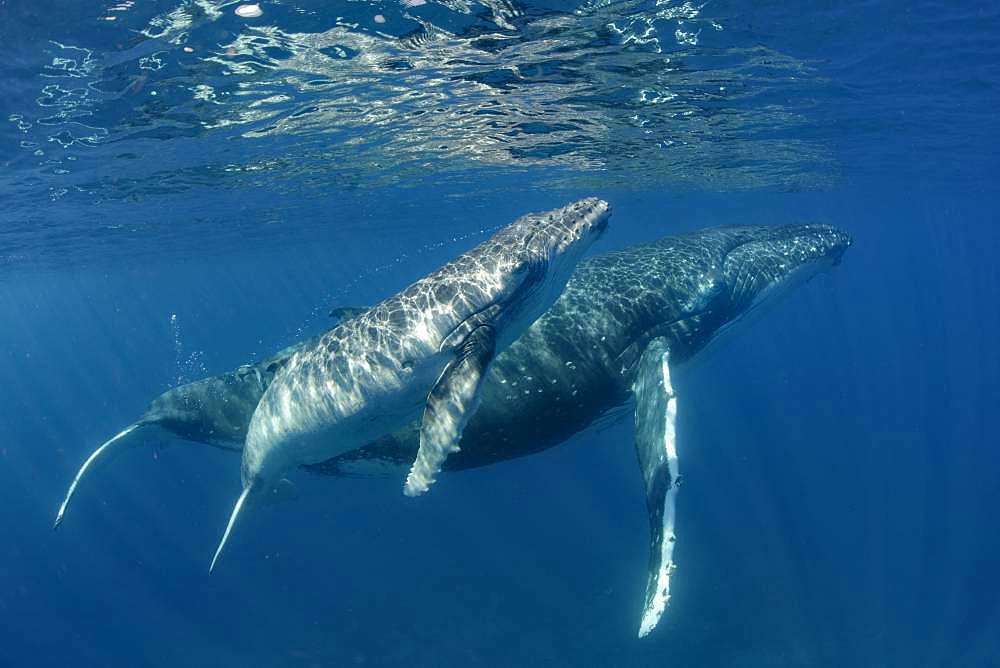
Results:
<point x="422" y="353"/>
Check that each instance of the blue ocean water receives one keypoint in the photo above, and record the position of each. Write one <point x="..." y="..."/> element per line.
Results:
<point x="185" y="190"/>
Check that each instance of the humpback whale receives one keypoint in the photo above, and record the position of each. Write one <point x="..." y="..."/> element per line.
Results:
<point x="580" y="360"/>
<point x="625" y="321"/>
<point x="422" y="353"/>
<point x="665" y="300"/>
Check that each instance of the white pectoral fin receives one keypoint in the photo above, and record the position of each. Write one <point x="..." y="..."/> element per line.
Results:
<point x="229" y="527"/>
<point x="655" y="418"/>
<point x="450" y="403"/>
<point x="100" y="455"/>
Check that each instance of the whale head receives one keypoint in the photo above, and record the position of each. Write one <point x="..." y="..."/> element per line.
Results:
<point x="769" y="261"/>
<point x="746" y="267"/>
<point x="542" y="250"/>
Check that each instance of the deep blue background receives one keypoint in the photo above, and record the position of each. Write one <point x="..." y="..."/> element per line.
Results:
<point x="839" y="504"/>
<point x="839" y="452"/>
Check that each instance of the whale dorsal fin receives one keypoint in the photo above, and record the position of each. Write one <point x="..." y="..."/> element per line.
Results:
<point x="450" y="403"/>
<point x="655" y="419"/>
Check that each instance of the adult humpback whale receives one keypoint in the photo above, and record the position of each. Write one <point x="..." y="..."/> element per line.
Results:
<point x="625" y="320"/>
<point x="581" y="358"/>
<point x="666" y="298"/>
<point x="423" y="351"/>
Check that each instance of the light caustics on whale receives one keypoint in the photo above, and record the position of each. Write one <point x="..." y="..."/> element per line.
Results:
<point x="625" y="320"/>
<point x="426" y="349"/>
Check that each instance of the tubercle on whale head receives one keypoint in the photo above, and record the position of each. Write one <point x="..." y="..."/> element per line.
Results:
<point x="558" y="239"/>
<point x="550" y="234"/>
<point x="546" y="248"/>
<point x="585" y="220"/>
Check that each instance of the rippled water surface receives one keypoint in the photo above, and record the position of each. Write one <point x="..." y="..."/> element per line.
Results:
<point x="127" y="111"/>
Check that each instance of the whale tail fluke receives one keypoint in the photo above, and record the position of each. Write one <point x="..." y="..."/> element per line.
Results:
<point x="229" y="527"/>
<point x="97" y="455"/>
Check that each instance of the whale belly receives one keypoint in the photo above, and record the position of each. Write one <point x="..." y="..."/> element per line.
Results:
<point x="313" y="418"/>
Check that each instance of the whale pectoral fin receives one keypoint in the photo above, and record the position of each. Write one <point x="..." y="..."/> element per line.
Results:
<point x="449" y="405"/>
<point x="655" y="418"/>
<point x="100" y="455"/>
<point x="229" y="527"/>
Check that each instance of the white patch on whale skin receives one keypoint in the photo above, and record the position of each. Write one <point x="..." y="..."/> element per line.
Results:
<point x="94" y="456"/>
<point x="658" y="602"/>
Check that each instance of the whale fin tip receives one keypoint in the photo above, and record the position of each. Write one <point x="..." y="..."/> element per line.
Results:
<point x="453" y="399"/>
<point x="229" y="526"/>
<point x="94" y="456"/>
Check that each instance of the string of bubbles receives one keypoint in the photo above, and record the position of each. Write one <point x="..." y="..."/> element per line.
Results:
<point x="187" y="367"/>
